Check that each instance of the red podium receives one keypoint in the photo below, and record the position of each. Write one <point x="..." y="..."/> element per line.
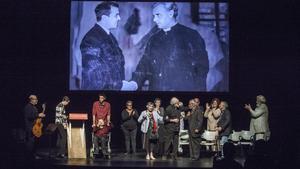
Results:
<point x="76" y="136"/>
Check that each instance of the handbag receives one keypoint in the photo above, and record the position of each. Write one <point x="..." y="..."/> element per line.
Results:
<point x="153" y="136"/>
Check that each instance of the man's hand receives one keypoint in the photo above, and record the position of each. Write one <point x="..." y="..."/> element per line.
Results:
<point x="188" y="114"/>
<point x="42" y="115"/>
<point x="175" y="120"/>
<point x="129" y="86"/>
<point x="93" y="125"/>
<point x="248" y="107"/>
<point x="196" y="131"/>
<point x="108" y="123"/>
<point x="219" y="128"/>
<point x="182" y="114"/>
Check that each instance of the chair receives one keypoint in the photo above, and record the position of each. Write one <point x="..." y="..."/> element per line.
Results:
<point x="242" y="138"/>
<point x="183" y="139"/>
<point x="92" y="149"/>
<point x="246" y="138"/>
<point x="235" y="137"/>
<point x="210" y="138"/>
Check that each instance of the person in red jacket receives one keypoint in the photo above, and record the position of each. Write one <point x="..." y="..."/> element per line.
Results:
<point x="101" y="124"/>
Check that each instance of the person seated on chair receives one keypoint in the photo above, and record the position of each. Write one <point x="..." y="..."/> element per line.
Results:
<point x="101" y="125"/>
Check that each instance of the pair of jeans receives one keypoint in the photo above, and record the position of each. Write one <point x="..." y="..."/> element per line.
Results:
<point x="223" y="140"/>
<point x="130" y="136"/>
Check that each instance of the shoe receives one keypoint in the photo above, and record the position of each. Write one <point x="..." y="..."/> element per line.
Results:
<point x="174" y="157"/>
<point x="152" y="157"/>
<point x="194" y="159"/>
<point x="61" y="156"/>
<point x="147" y="157"/>
<point x="37" y="157"/>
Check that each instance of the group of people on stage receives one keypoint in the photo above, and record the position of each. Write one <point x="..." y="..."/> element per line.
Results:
<point x="160" y="127"/>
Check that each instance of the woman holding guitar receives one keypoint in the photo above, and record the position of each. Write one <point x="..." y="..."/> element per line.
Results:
<point x="30" y="116"/>
<point x="61" y="122"/>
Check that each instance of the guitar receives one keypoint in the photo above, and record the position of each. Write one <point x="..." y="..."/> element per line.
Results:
<point x="38" y="125"/>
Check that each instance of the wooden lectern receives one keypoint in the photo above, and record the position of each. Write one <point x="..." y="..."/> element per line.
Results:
<point x="76" y="136"/>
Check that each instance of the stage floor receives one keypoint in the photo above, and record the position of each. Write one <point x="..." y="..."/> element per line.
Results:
<point x="121" y="161"/>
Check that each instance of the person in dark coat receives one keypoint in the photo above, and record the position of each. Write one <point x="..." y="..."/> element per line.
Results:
<point x="129" y="126"/>
<point x="224" y="124"/>
<point x="102" y="59"/>
<point x="171" y="119"/>
<point x="30" y="115"/>
<point x="173" y="56"/>
<point x="195" y="122"/>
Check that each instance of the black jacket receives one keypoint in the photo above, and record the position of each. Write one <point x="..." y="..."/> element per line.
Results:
<point x="174" y="61"/>
<point x="225" y="123"/>
<point x="195" y="121"/>
<point x="102" y="61"/>
<point x="173" y="112"/>
<point x="30" y="114"/>
<point x="129" y="122"/>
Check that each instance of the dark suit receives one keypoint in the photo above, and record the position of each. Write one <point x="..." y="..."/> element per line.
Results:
<point x="171" y="129"/>
<point x="195" y="121"/>
<point x="30" y="114"/>
<point x="225" y="123"/>
<point x="102" y="61"/>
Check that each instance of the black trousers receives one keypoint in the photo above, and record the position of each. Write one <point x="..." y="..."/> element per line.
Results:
<point x="130" y="136"/>
<point x="30" y="142"/>
<point x="61" y="139"/>
<point x="171" y="137"/>
<point x="103" y="142"/>
<point x="161" y="140"/>
<point x="194" y="146"/>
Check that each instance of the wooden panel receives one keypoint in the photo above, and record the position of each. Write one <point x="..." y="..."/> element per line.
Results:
<point x="78" y="116"/>
<point x="76" y="143"/>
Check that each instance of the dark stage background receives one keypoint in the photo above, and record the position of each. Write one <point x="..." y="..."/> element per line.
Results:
<point x="264" y="59"/>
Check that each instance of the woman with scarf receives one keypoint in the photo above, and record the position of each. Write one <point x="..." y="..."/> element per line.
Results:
<point x="149" y="119"/>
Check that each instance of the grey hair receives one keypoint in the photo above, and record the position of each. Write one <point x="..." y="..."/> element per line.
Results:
<point x="225" y="104"/>
<point x="169" y="6"/>
<point x="261" y="98"/>
<point x="174" y="100"/>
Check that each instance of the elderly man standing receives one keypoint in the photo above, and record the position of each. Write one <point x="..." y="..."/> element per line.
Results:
<point x="259" y="123"/>
<point x="195" y="120"/>
<point x="172" y="126"/>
